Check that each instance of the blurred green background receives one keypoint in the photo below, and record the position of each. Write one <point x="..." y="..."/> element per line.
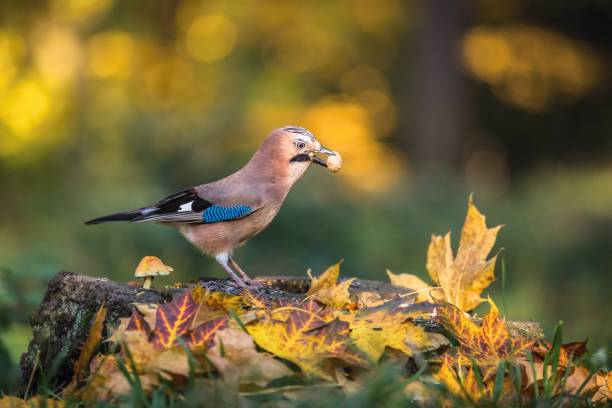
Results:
<point x="108" y="105"/>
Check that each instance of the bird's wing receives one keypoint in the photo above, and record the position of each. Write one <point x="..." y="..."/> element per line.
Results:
<point x="189" y="206"/>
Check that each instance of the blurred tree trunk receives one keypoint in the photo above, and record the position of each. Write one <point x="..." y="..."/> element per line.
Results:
<point x="441" y="98"/>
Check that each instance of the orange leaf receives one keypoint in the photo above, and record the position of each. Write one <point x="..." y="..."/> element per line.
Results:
<point x="604" y="392"/>
<point x="173" y="320"/>
<point x="93" y="339"/>
<point x="488" y="343"/>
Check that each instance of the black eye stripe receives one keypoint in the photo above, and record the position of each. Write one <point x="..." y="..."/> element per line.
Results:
<point x="300" y="158"/>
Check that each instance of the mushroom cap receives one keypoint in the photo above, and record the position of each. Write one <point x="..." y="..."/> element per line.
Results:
<point x="151" y="266"/>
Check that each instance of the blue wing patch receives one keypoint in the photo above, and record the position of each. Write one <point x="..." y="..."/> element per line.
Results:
<point x="218" y="213"/>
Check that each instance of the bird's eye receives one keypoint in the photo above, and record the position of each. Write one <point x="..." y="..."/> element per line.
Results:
<point x="300" y="145"/>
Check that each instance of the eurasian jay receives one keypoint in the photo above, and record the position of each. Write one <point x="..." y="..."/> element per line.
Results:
<point x="220" y="216"/>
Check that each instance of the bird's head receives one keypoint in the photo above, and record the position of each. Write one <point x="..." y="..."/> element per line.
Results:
<point x="303" y="147"/>
<point x="293" y="149"/>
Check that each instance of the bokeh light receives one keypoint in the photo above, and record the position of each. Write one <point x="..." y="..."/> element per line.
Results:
<point x="211" y="37"/>
<point x="110" y="54"/>
<point x="369" y="165"/>
<point x="57" y="54"/>
<point x="530" y="66"/>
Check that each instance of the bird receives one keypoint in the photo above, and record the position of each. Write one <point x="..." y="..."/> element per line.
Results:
<point x="220" y="216"/>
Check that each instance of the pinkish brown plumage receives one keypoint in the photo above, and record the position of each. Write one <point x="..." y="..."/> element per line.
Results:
<point x="220" y="216"/>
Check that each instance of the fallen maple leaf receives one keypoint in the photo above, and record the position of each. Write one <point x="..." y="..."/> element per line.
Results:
<point x="460" y="381"/>
<point x="235" y="357"/>
<point x="464" y="277"/>
<point x="137" y="322"/>
<point x="389" y="325"/>
<point x="568" y="378"/>
<point x="460" y="280"/>
<point x="604" y="390"/>
<point x="203" y="335"/>
<point x="486" y="344"/>
<point x="146" y="360"/>
<point x="467" y="383"/>
<point x="302" y="336"/>
<point x="327" y="290"/>
<point x="90" y="345"/>
<point x="174" y="319"/>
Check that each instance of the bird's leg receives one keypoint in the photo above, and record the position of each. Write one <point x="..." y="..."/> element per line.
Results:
<point x="223" y="259"/>
<point x="235" y="266"/>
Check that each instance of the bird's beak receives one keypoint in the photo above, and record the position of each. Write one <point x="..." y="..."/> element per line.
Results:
<point x="315" y="156"/>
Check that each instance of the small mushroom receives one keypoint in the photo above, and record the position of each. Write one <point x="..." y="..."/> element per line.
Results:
<point x="149" y="267"/>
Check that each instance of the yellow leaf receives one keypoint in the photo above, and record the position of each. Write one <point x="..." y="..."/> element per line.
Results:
<point x="327" y="290"/>
<point x="447" y="376"/>
<point x="389" y="325"/>
<point x="463" y="382"/>
<point x="464" y="277"/>
<point x="422" y="290"/>
<point x="302" y="336"/>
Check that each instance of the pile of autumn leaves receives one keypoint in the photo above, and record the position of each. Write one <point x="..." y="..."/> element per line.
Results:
<point x="332" y="336"/>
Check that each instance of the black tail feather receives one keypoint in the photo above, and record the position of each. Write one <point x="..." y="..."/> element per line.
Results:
<point x="122" y="216"/>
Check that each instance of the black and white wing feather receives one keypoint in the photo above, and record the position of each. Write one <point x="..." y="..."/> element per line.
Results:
<point x="183" y="207"/>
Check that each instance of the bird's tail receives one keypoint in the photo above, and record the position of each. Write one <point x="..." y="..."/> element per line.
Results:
<point x="121" y="216"/>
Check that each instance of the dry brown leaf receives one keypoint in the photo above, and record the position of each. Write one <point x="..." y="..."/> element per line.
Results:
<point x="576" y="380"/>
<point x="150" y="363"/>
<point x="464" y="277"/>
<point x="235" y="357"/>
<point x="327" y="290"/>
<point x="604" y="390"/>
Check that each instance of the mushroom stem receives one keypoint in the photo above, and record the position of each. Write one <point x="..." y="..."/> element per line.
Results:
<point x="147" y="282"/>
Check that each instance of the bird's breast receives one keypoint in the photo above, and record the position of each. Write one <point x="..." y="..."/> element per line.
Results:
<point x="225" y="236"/>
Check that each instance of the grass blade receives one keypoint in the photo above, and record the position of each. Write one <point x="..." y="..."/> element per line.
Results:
<point x="498" y="387"/>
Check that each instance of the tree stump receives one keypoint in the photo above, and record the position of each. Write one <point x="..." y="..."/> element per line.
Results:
<point x="61" y="323"/>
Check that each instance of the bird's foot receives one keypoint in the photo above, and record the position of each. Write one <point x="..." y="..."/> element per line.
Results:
<point x="246" y="282"/>
<point x="252" y="283"/>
